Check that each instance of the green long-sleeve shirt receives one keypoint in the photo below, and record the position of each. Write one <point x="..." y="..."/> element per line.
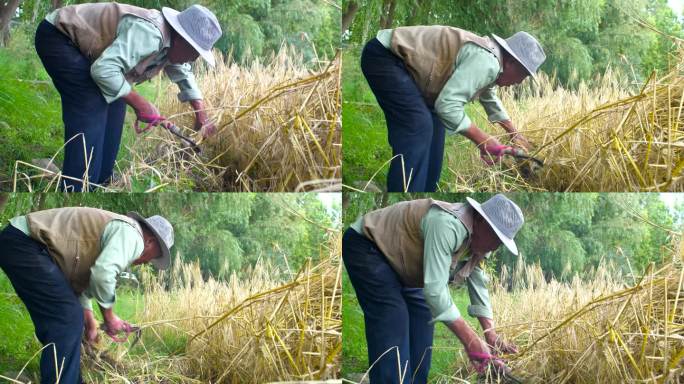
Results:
<point x="443" y="234"/>
<point x="475" y="68"/>
<point x="136" y="40"/>
<point x="121" y="244"/>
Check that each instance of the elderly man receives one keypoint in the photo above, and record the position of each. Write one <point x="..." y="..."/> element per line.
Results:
<point x="399" y="260"/>
<point x="423" y="77"/>
<point x="94" y="52"/>
<point x="59" y="259"/>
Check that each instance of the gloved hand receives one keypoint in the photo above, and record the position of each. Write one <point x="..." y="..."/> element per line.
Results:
<point x="481" y="357"/>
<point x="144" y="110"/>
<point x="115" y="326"/>
<point x="91" y="335"/>
<point x="205" y="127"/>
<point x="499" y="345"/>
<point x="492" y="153"/>
<point x="521" y="141"/>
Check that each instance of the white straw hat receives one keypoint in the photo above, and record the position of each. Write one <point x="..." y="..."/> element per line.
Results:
<point x="163" y="232"/>
<point x="525" y="49"/>
<point x="198" y="26"/>
<point x="504" y="216"/>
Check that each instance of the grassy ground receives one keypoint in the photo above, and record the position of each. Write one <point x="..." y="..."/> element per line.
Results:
<point x="19" y="343"/>
<point x="30" y="112"/>
<point x="355" y="354"/>
<point x="366" y="149"/>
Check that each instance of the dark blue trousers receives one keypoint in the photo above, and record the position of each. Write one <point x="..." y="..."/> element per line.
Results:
<point x="85" y="113"/>
<point x="54" y="308"/>
<point x="413" y="129"/>
<point x="396" y="318"/>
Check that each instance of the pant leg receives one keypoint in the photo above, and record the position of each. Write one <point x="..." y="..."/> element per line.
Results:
<point x="436" y="154"/>
<point x="52" y="304"/>
<point x="116" y="112"/>
<point x="421" y="334"/>
<point x="409" y="121"/>
<point x="385" y="314"/>
<point x="84" y="109"/>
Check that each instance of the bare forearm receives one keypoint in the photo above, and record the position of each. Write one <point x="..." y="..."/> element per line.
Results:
<point x="462" y="330"/>
<point x="134" y="99"/>
<point x="89" y="318"/>
<point x="198" y="108"/>
<point x="514" y="135"/>
<point x="107" y="314"/>
<point x="508" y="126"/>
<point x="476" y="135"/>
<point x="487" y="325"/>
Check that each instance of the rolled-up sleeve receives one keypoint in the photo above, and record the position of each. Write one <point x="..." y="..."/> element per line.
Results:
<point x="442" y="235"/>
<point x="136" y="40"/>
<point x="493" y="106"/>
<point x="121" y="245"/>
<point x="182" y="75"/>
<point x="475" y="69"/>
<point x="84" y="299"/>
<point x="480" y="305"/>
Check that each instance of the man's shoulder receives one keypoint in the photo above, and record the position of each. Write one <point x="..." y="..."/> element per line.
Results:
<point x="124" y="227"/>
<point x="484" y="57"/>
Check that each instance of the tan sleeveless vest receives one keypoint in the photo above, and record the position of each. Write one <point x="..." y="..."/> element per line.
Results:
<point x="395" y="230"/>
<point x="72" y="237"/>
<point x="92" y="28"/>
<point x="430" y="53"/>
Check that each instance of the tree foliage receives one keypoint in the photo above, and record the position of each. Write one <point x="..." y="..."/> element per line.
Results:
<point x="568" y="233"/>
<point x="225" y="232"/>
<point x="253" y="29"/>
<point x="581" y="37"/>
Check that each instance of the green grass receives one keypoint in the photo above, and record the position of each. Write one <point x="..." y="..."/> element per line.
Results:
<point x="366" y="149"/>
<point x="16" y="331"/>
<point x="18" y="343"/>
<point x="354" y="349"/>
<point x="31" y="115"/>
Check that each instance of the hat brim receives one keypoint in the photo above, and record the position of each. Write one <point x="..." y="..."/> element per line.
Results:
<point x="508" y="49"/>
<point x="507" y="241"/>
<point x="163" y="261"/>
<point x="171" y="16"/>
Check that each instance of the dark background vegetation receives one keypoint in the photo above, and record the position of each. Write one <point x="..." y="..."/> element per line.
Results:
<point x="570" y="233"/>
<point x="580" y="37"/>
<point x="225" y="232"/>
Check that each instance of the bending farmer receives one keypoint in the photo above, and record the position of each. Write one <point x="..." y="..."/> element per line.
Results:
<point x="58" y="259"/>
<point x="423" y="77"/>
<point x="399" y="260"/>
<point x="94" y="52"/>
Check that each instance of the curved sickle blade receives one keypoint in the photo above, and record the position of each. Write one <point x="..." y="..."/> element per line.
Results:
<point x="173" y="128"/>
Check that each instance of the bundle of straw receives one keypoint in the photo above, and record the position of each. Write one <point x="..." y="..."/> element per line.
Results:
<point x="248" y="330"/>
<point x="278" y="129"/>
<point x="596" y="138"/>
<point x="596" y="331"/>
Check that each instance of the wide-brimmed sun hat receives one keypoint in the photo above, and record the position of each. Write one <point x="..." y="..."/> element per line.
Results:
<point x="504" y="216"/>
<point x="163" y="232"/>
<point x="198" y="26"/>
<point x="525" y="49"/>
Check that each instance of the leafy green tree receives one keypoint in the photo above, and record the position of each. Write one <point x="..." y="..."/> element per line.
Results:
<point x="226" y="232"/>
<point x="582" y="38"/>
<point x="253" y="29"/>
<point x="569" y="233"/>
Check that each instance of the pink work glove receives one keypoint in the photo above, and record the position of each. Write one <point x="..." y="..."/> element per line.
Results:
<point x="492" y="154"/>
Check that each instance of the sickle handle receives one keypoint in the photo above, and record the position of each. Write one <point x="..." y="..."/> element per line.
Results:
<point x="152" y="120"/>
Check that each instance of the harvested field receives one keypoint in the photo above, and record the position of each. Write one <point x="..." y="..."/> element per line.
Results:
<point x="278" y="124"/>
<point x="595" y="138"/>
